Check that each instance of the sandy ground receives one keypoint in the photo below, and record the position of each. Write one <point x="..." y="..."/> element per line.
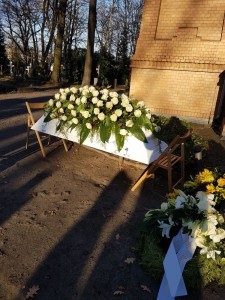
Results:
<point x="69" y="222"/>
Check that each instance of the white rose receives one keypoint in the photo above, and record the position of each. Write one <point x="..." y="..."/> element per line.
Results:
<point x="113" y="117"/>
<point x="94" y="100"/>
<point x="61" y="110"/>
<point x="104" y="97"/>
<point x="109" y="105"/>
<point x="72" y="98"/>
<point x="51" y="102"/>
<point x="101" y="116"/>
<point x="75" y="121"/>
<point x="141" y="103"/>
<point x="84" y="92"/>
<point x="123" y="131"/>
<point x="124" y="97"/>
<point x="114" y="100"/>
<point x="85" y="114"/>
<point x="91" y="89"/>
<point x="64" y="118"/>
<point x="61" y="91"/>
<point x="52" y="116"/>
<point x="67" y="90"/>
<point x="70" y="106"/>
<point x="84" y="100"/>
<point x="73" y="89"/>
<point x="78" y="101"/>
<point x="73" y="113"/>
<point x="148" y="115"/>
<point x="137" y="113"/>
<point x="57" y="96"/>
<point x="100" y="103"/>
<point x="118" y="112"/>
<point x="63" y="97"/>
<point x="113" y="94"/>
<point x="88" y="125"/>
<point x="157" y="128"/>
<point x="129" y="123"/>
<point x="125" y="102"/>
<point x="58" y="104"/>
<point x="95" y="93"/>
<point x="129" y="108"/>
<point x="105" y="91"/>
<point x="96" y="110"/>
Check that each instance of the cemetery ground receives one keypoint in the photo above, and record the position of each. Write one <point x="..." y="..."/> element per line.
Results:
<point x="68" y="223"/>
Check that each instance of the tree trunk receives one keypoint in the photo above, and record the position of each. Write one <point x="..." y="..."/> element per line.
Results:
<point x="55" y="77"/>
<point x="90" y="43"/>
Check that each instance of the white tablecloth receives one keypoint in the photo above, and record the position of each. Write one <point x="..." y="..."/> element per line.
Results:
<point x="133" y="148"/>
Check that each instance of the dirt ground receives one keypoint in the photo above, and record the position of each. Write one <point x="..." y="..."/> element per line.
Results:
<point x="68" y="223"/>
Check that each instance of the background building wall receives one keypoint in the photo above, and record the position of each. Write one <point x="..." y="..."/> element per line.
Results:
<point x="180" y="56"/>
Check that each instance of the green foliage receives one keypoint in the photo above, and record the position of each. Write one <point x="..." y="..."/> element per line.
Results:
<point x="138" y="133"/>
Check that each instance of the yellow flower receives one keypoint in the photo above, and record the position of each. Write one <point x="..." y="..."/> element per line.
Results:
<point x="210" y="188"/>
<point x="172" y="196"/>
<point x="221" y="181"/>
<point x="205" y="176"/>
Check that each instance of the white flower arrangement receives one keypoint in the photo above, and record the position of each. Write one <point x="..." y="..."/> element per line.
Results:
<point x="197" y="216"/>
<point x="90" y="110"/>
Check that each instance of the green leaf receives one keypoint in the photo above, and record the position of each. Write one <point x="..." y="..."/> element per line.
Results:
<point x="105" y="132"/>
<point x="47" y="118"/>
<point x="84" y="133"/>
<point x="138" y="133"/>
<point x="119" y="138"/>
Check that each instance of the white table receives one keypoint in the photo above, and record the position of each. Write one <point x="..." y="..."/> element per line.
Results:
<point x="133" y="148"/>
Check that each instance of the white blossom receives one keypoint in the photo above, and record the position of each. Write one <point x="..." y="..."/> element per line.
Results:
<point x="100" y="103"/>
<point x="109" y="105"/>
<point x="101" y="116"/>
<point x="123" y="132"/>
<point x="164" y="206"/>
<point x="88" y="125"/>
<point x="51" y="102"/>
<point x="78" y="101"/>
<point x="157" y="128"/>
<point x="129" y="108"/>
<point x="57" y="96"/>
<point x="58" y="104"/>
<point x="61" y="110"/>
<point x="64" y="118"/>
<point x="141" y="103"/>
<point x="84" y="100"/>
<point x="67" y="90"/>
<point x="70" y="106"/>
<point x="114" y="101"/>
<point x="96" y="111"/>
<point x="72" y="98"/>
<point x="118" y="112"/>
<point x="75" y="121"/>
<point x="129" y="123"/>
<point x="95" y="93"/>
<point x="73" y="113"/>
<point x="95" y="100"/>
<point x="63" y="97"/>
<point x="73" y="89"/>
<point x="85" y="114"/>
<point x="137" y="113"/>
<point x="113" y="117"/>
<point x="104" y="97"/>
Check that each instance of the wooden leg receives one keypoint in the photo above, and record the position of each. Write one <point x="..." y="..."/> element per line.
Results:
<point x="144" y="176"/>
<point x="65" y="145"/>
<point x="27" y="140"/>
<point x="170" y="179"/>
<point x="40" y="143"/>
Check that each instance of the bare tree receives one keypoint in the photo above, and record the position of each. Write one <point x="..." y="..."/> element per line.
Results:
<point x="90" y="43"/>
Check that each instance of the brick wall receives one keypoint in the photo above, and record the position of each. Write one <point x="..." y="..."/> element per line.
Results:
<point x="179" y="56"/>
